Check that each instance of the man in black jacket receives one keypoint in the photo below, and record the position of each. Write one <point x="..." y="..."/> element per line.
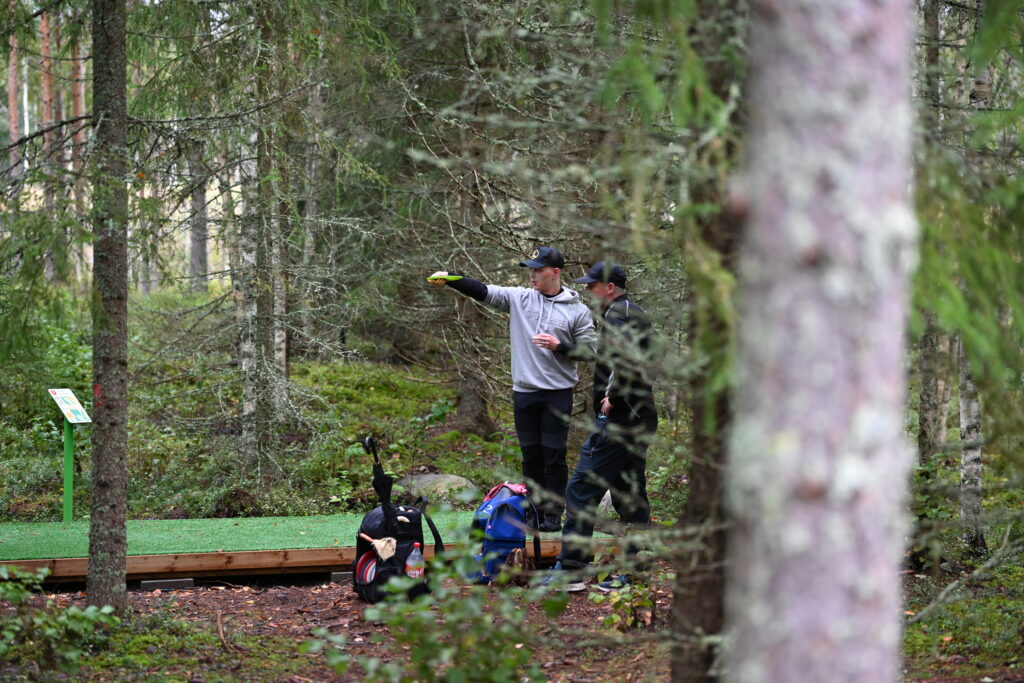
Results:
<point x="614" y="455"/>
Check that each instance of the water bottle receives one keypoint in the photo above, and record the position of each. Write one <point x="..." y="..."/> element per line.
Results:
<point x="414" y="564"/>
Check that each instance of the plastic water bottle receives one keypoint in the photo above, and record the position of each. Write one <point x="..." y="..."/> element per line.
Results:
<point x="414" y="564"/>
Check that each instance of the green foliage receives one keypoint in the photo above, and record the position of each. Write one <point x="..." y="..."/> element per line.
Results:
<point x="365" y="393"/>
<point x="52" y="637"/>
<point x="439" y="411"/>
<point x="632" y="605"/>
<point x="35" y="253"/>
<point x="456" y="633"/>
<point x="982" y="628"/>
<point x="56" y="353"/>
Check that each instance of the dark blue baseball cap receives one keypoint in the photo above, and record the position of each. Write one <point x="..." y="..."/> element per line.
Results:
<point x="602" y="271"/>
<point x="543" y="257"/>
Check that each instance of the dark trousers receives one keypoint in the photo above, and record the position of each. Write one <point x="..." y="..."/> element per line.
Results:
<point x="614" y="457"/>
<point x="542" y="426"/>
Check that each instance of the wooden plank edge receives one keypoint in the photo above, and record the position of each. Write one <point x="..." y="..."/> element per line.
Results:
<point x="302" y="560"/>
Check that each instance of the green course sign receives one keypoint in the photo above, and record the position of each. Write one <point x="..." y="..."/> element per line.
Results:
<point x="74" y="413"/>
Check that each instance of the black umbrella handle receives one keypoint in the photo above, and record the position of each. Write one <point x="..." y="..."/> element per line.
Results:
<point x="370" y="446"/>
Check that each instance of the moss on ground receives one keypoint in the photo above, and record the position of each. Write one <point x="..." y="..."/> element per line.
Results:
<point x="980" y="632"/>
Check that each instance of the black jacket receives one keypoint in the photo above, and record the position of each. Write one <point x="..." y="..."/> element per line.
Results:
<point x="623" y="364"/>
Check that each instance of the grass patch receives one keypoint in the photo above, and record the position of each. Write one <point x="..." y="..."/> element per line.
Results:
<point x="28" y="541"/>
<point x="159" y="648"/>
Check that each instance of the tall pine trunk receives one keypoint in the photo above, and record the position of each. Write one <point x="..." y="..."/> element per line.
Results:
<point x="105" y="581"/>
<point x="198" y="260"/>
<point x="47" y="105"/>
<point x="815" y="548"/>
<point x="698" y="605"/>
<point x="12" y="101"/>
<point x="310" y="229"/>
<point x="934" y="398"/>
<point x="77" y="111"/>
<point x="257" y="348"/>
<point x="970" y="458"/>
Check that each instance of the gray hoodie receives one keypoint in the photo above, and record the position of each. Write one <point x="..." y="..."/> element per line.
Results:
<point x="563" y="315"/>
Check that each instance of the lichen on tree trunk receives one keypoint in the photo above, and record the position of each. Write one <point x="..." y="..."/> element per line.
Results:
<point x="818" y="456"/>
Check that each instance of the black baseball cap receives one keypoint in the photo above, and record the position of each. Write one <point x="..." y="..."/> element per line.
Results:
<point x="602" y="271"/>
<point x="542" y="257"/>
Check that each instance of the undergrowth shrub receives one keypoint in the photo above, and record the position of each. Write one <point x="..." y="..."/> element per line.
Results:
<point x="455" y="633"/>
<point x="51" y="636"/>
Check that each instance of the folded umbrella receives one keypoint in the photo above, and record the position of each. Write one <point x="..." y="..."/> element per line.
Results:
<point x="382" y="484"/>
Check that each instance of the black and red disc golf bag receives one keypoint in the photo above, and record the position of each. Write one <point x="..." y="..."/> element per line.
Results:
<point x="404" y="523"/>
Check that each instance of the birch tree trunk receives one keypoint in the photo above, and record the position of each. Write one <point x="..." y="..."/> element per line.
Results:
<point x="970" y="458"/>
<point x="230" y="241"/>
<point x="815" y="547"/>
<point x="247" y="357"/>
<point x="105" y="581"/>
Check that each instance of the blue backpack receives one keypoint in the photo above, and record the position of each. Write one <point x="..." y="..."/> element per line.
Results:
<point x="504" y="517"/>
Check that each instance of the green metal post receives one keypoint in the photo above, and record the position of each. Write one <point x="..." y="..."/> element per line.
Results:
<point x="69" y="469"/>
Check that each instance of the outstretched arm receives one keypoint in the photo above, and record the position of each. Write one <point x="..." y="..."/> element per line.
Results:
<point x="460" y="283"/>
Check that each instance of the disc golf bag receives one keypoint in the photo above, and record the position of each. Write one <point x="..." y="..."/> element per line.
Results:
<point x="370" y="573"/>
<point x="504" y="517"/>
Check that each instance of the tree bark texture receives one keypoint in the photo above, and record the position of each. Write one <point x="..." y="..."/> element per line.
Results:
<point x="260" y="374"/>
<point x="105" y="582"/>
<point x="77" y="111"/>
<point x="698" y="604"/>
<point x="281" y="273"/>
<point x="12" y="100"/>
<point x="198" y="260"/>
<point x="970" y="459"/>
<point x="230" y="242"/>
<point x="310" y="215"/>
<point x="818" y="457"/>
<point x="46" y="79"/>
<point x="934" y="369"/>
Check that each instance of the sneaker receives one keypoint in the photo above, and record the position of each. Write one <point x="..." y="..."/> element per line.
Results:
<point x="614" y="583"/>
<point x="563" y="579"/>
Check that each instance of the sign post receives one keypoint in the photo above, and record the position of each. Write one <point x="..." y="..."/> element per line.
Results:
<point x="74" y="413"/>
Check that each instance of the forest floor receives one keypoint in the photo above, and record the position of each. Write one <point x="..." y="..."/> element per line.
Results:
<point x="222" y="631"/>
<point x="231" y="632"/>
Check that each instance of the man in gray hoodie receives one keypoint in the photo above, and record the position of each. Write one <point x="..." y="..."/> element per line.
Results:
<point x="546" y="323"/>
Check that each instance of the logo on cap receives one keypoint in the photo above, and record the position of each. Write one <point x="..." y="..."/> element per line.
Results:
<point x="535" y="254"/>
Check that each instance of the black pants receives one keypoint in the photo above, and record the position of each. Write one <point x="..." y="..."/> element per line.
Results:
<point x="614" y="457"/>
<point x="542" y="426"/>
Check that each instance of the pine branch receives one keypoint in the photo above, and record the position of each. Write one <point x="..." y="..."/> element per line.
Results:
<point x="45" y="129"/>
